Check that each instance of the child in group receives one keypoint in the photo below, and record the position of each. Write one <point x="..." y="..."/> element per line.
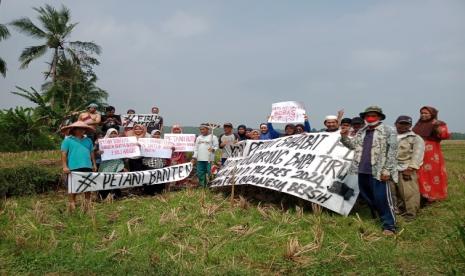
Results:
<point x="77" y="155"/>
<point x="204" y="153"/>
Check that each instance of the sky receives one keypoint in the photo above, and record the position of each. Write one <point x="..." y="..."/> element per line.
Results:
<point x="228" y="61"/>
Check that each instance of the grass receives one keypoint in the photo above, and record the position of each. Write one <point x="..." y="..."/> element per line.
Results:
<point x="203" y="232"/>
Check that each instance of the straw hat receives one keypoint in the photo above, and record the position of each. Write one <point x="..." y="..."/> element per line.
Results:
<point x="78" y="124"/>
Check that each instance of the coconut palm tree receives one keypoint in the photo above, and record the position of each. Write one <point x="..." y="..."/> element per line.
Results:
<point x="54" y="34"/>
<point x="4" y="33"/>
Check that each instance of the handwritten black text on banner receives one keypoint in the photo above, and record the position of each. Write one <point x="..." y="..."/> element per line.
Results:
<point x="79" y="182"/>
<point x="311" y="166"/>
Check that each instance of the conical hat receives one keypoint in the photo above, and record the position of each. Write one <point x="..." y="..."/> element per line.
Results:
<point x="78" y="124"/>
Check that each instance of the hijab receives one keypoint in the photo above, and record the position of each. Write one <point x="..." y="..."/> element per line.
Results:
<point x="144" y="131"/>
<point x="109" y="132"/>
<point x="425" y="128"/>
<point x="176" y="126"/>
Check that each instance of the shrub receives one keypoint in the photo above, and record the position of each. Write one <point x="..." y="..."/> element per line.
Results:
<point x="27" y="179"/>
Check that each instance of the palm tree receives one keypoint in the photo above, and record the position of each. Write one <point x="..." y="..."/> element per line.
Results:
<point x="4" y="33"/>
<point x="54" y="34"/>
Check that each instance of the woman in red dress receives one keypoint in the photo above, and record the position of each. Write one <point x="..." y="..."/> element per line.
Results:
<point x="432" y="175"/>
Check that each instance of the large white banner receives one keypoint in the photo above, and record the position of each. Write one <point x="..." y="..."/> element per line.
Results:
<point x="148" y="120"/>
<point x="79" y="182"/>
<point x="152" y="147"/>
<point x="182" y="142"/>
<point x="119" y="147"/>
<point x="287" y="112"/>
<point x="311" y="166"/>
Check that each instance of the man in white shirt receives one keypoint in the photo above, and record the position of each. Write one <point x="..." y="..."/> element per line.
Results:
<point x="204" y="153"/>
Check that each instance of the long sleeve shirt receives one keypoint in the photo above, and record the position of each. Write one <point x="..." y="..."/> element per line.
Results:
<point x="383" y="151"/>
<point x="410" y="151"/>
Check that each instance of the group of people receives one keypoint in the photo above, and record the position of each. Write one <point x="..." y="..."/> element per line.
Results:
<point x="398" y="168"/>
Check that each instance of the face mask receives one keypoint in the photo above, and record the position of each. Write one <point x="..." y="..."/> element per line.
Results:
<point x="371" y="119"/>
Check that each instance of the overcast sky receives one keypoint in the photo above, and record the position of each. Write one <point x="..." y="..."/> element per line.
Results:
<point x="224" y="61"/>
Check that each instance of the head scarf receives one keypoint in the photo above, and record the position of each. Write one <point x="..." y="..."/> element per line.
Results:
<point x="176" y="126"/>
<point x="144" y="131"/>
<point x="426" y="128"/>
<point x="110" y="131"/>
<point x="155" y="131"/>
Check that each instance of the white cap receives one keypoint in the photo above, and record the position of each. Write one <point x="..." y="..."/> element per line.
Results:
<point x="330" y="117"/>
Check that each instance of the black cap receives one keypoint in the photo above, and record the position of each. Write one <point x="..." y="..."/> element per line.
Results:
<point x="404" y="119"/>
<point x="346" y="121"/>
<point x="357" y="120"/>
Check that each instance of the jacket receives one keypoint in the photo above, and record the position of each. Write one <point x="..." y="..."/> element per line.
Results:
<point x="410" y="150"/>
<point x="383" y="151"/>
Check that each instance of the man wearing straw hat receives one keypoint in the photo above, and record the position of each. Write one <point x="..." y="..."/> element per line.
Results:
<point x="77" y="155"/>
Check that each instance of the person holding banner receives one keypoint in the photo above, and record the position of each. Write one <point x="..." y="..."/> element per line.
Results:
<point x="77" y="155"/>
<point x="151" y="163"/>
<point x="331" y="123"/>
<point x="135" y="163"/>
<point x="110" y="120"/>
<point x="303" y="128"/>
<point x="268" y="132"/>
<point x="113" y="165"/>
<point x="204" y="152"/>
<point x="375" y="162"/>
<point x="158" y="123"/>
<point x="178" y="157"/>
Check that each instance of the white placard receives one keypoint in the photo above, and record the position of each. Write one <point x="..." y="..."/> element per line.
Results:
<point x="182" y="142"/>
<point x="152" y="147"/>
<point x="287" y="112"/>
<point x="119" y="147"/>
<point x="311" y="166"/>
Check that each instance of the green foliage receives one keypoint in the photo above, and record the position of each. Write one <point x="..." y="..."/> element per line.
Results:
<point x="4" y="34"/>
<point x="27" y="179"/>
<point x="71" y="65"/>
<point x="22" y="130"/>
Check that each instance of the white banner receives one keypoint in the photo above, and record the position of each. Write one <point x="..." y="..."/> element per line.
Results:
<point x="311" y="166"/>
<point x="79" y="182"/>
<point x="182" y="142"/>
<point x="119" y="147"/>
<point x="287" y="112"/>
<point x="148" y="120"/>
<point x="152" y="147"/>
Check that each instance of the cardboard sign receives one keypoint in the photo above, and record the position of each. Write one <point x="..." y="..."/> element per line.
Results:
<point x="287" y="112"/>
<point x="120" y="147"/>
<point x="152" y="147"/>
<point x="147" y="120"/>
<point x="311" y="166"/>
<point x="182" y="142"/>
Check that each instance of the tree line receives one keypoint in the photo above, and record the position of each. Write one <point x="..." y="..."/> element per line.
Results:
<point x="69" y="79"/>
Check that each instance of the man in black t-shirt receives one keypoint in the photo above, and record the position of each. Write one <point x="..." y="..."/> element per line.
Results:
<point x="110" y="120"/>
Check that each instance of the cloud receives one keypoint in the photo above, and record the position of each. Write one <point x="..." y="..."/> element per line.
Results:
<point x="182" y="24"/>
